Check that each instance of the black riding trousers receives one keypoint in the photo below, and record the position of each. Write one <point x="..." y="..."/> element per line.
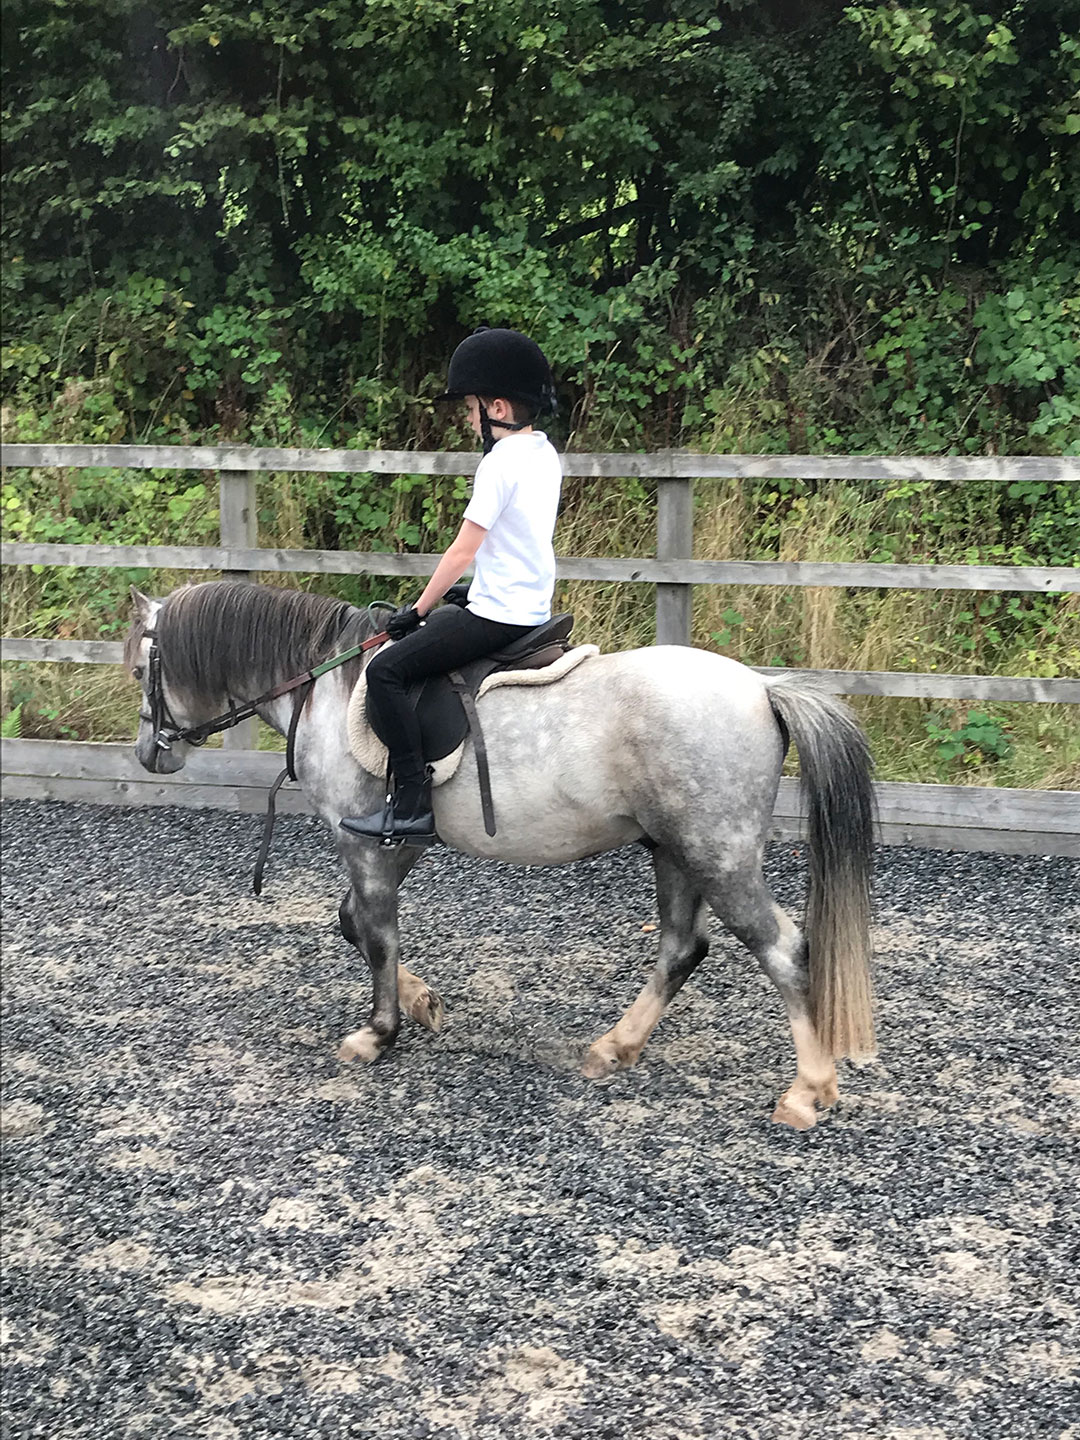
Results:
<point x="451" y="638"/>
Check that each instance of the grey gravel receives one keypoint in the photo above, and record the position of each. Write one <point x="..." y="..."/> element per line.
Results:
<point x="214" y="1230"/>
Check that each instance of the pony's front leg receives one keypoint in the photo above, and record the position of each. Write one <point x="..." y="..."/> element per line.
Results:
<point x="369" y="920"/>
<point x="419" y="1001"/>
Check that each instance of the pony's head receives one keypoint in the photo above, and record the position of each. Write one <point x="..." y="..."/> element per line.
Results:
<point x="210" y="647"/>
<point x="163" y="706"/>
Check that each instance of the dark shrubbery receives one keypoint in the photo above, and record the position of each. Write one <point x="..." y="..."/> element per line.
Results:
<point x="768" y="226"/>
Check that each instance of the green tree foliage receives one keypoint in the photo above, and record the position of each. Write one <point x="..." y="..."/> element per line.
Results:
<point x="220" y="218"/>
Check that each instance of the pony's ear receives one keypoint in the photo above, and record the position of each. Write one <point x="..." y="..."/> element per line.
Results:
<point x="142" y="603"/>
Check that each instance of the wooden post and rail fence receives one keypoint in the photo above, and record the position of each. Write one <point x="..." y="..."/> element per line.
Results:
<point x="952" y="817"/>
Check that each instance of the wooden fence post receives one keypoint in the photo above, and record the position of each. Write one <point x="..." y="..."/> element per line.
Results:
<point x="674" y="541"/>
<point x="239" y="527"/>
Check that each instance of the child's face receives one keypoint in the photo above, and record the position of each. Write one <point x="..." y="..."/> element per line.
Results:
<point x="472" y="403"/>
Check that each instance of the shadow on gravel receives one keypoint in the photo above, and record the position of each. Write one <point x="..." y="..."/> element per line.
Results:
<point x="213" y="1230"/>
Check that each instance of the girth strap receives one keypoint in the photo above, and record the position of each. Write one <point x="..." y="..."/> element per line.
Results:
<point x="468" y="704"/>
<point x="289" y="773"/>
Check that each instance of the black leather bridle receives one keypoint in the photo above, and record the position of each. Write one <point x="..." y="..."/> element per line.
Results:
<point x="167" y="732"/>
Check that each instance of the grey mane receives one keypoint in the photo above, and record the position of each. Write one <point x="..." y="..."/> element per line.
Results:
<point x="228" y="637"/>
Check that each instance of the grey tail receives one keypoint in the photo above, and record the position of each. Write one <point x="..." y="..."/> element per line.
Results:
<point x="836" y="769"/>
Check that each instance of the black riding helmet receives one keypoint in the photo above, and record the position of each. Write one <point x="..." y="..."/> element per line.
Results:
<point x="501" y="364"/>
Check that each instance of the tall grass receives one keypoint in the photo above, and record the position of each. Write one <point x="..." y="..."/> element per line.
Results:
<point x="812" y="627"/>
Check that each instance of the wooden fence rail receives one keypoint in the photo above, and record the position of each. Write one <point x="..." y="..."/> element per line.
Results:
<point x="667" y="574"/>
<point x="659" y="465"/>
<point x="1008" y="820"/>
<point x="939" y="816"/>
<point x="905" y="684"/>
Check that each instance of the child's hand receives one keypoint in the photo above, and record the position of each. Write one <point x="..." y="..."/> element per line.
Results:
<point x="403" y="622"/>
<point x="457" y="595"/>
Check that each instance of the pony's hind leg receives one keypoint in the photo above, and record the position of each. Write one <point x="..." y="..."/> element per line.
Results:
<point x="683" y="946"/>
<point x="745" y="905"/>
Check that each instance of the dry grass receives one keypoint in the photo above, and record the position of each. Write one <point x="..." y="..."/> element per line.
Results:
<point x="815" y="627"/>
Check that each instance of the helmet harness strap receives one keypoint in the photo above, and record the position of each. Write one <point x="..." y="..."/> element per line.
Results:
<point x="486" y="422"/>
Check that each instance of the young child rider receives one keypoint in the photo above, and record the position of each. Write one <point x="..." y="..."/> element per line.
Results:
<point x="507" y="533"/>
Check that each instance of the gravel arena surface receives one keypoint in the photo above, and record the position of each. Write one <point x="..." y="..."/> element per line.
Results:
<point x="215" y="1230"/>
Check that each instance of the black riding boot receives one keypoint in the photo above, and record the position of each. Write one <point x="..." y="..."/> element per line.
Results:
<point x="408" y="819"/>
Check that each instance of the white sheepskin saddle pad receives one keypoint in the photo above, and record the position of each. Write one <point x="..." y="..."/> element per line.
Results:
<point x="369" y="750"/>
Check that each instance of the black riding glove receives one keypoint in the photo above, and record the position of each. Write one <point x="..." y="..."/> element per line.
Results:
<point x="403" y="622"/>
<point x="457" y="595"/>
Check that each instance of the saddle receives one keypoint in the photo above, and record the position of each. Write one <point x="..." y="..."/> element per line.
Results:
<point x="446" y="704"/>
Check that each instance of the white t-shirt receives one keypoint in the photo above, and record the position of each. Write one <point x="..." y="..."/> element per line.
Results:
<point x="515" y="498"/>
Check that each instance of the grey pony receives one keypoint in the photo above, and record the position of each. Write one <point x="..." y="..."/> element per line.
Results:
<point x="670" y="746"/>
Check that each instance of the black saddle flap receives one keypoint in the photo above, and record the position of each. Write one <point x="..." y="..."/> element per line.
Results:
<point x="443" y="724"/>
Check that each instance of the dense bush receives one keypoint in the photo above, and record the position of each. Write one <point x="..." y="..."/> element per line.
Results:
<point x="764" y="226"/>
<point x="860" y="219"/>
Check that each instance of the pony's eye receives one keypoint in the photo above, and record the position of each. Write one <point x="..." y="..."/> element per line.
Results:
<point x="138" y="672"/>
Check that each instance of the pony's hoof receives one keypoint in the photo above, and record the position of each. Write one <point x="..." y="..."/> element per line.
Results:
<point x="601" y="1060"/>
<point x="796" y="1114"/>
<point x="363" y="1045"/>
<point x="427" y="1009"/>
